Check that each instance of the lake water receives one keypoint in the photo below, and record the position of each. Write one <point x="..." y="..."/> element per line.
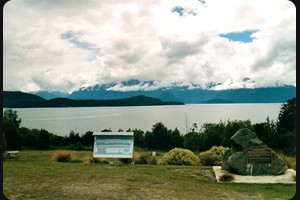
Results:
<point x="61" y="121"/>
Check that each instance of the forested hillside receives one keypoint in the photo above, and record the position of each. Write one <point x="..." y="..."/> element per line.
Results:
<point x="24" y="100"/>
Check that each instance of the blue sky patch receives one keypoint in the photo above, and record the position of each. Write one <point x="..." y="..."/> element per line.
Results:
<point x="74" y="38"/>
<point x="180" y="11"/>
<point x="243" y="36"/>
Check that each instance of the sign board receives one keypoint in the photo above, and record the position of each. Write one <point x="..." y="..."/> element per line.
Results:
<point x="113" y="144"/>
<point x="262" y="155"/>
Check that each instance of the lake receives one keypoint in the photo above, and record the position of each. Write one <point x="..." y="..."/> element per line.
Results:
<point x="61" y="121"/>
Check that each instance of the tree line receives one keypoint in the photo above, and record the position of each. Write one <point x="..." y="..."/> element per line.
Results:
<point x="279" y="135"/>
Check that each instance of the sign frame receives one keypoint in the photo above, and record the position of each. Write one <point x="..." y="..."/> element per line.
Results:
<point x="259" y="156"/>
<point x="113" y="144"/>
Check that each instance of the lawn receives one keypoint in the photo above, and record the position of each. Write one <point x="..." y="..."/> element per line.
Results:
<point x="35" y="175"/>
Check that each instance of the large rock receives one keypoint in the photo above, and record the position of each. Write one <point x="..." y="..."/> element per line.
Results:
<point x="248" y="155"/>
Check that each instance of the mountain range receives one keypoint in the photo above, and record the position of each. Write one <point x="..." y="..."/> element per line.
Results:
<point x="177" y="93"/>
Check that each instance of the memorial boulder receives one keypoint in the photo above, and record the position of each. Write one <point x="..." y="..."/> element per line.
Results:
<point x="248" y="155"/>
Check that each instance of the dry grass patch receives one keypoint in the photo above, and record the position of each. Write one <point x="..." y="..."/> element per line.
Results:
<point x="226" y="177"/>
<point x="290" y="161"/>
<point x="136" y="157"/>
<point x="62" y="156"/>
<point x="294" y="177"/>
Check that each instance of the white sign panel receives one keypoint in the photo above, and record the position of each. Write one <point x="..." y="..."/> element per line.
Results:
<point x="113" y="145"/>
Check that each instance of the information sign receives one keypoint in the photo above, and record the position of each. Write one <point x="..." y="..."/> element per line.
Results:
<point x="113" y="144"/>
<point x="261" y="155"/>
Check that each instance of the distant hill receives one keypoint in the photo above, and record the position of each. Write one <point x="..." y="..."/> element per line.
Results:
<point x="25" y="100"/>
<point x="20" y="99"/>
<point x="51" y="95"/>
<point x="217" y="100"/>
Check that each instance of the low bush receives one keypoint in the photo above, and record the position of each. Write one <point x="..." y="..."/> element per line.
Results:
<point x="213" y="156"/>
<point x="294" y="177"/>
<point x="290" y="161"/>
<point x="125" y="160"/>
<point x="90" y="159"/>
<point x="62" y="156"/>
<point x="179" y="156"/>
<point x="100" y="160"/>
<point x="76" y="160"/>
<point x="151" y="160"/>
<point x="76" y="147"/>
<point x="144" y="159"/>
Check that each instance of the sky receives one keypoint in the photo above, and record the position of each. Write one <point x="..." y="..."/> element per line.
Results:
<point x="64" y="45"/>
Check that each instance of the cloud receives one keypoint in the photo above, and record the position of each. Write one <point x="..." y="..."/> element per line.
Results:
<point x="65" y="45"/>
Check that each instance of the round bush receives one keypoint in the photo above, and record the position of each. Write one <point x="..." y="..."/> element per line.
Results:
<point x="213" y="156"/>
<point x="179" y="156"/>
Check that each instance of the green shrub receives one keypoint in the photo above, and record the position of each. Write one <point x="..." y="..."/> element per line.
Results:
<point x="76" y="160"/>
<point x="62" y="156"/>
<point x="179" y="156"/>
<point x="76" y="146"/>
<point x="213" y="156"/>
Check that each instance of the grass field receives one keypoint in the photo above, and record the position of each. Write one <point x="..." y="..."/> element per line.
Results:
<point x="35" y="175"/>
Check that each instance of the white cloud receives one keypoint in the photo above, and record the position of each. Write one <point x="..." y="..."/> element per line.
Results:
<point x="145" y="40"/>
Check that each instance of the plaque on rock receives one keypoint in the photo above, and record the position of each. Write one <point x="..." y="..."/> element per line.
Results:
<point x="261" y="155"/>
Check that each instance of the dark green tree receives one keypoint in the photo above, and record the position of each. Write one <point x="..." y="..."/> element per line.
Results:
<point x="106" y="130"/>
<point x="43" y="140"/>
<point x="286" y="128"/>
<point x="193" y="141"/>
<point x="56" y="140"/>
<point x="74" y="138"/>
<point x="231" y="127"/>
<point x="4" y="143"/>
<point x="161" y="136"/>
<point x="14" y="139"/>
<point x="11" y="124"/>
<point x="149" y="141"/>
<point x="12" y="115"/>
<point x="88" y="139"/>
<point x="176" y="139"/>
<point x="139" y="138"/>
<point x="287" y="116"/>
<point x="30" y="137"/>
<point x="212" y="135"/>
<point x="265" y="131"/>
